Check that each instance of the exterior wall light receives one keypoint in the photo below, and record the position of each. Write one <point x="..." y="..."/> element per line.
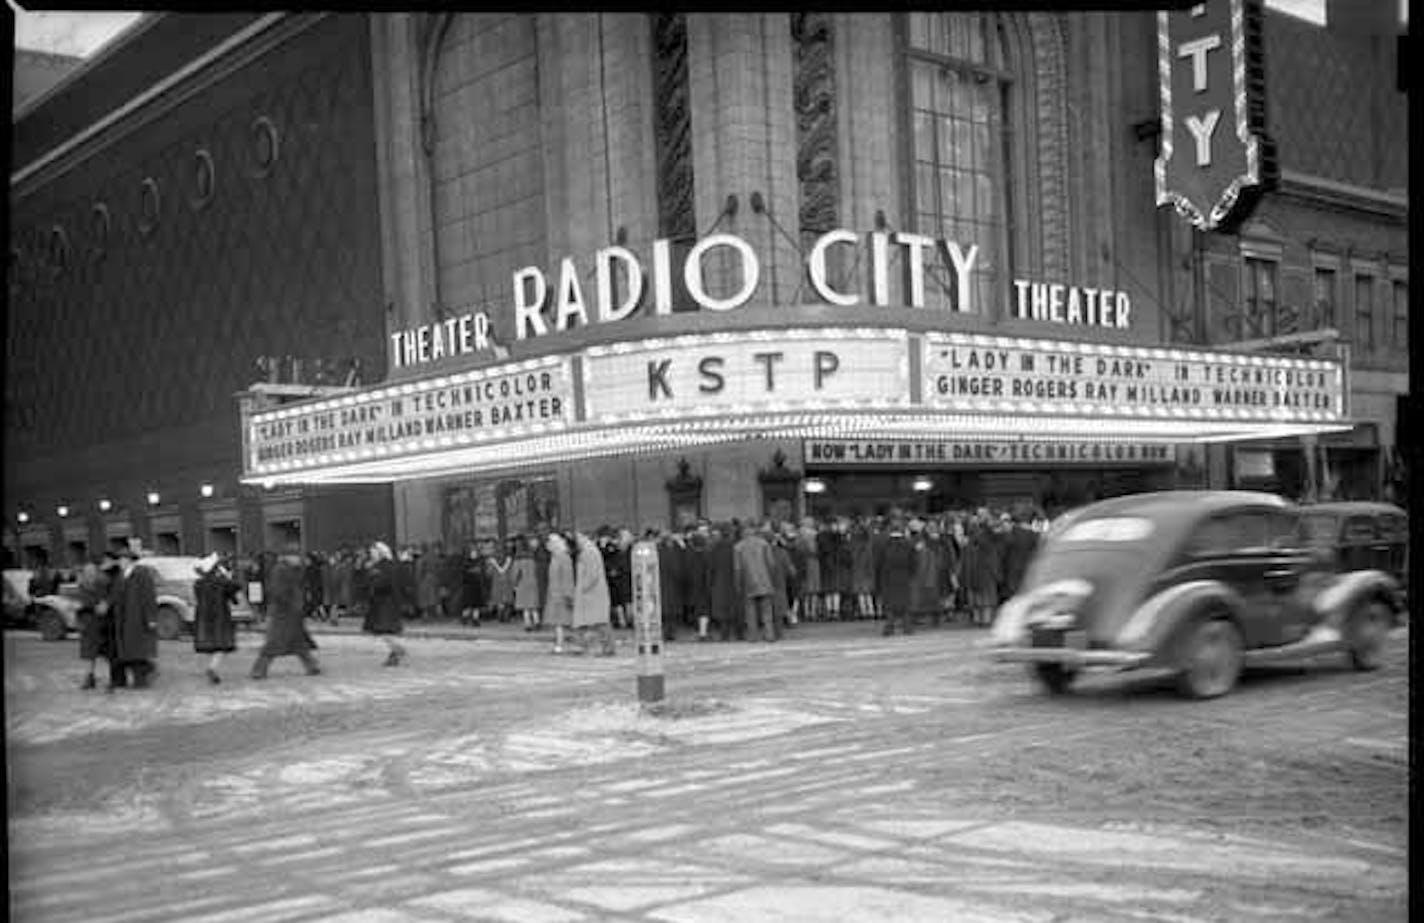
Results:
<point x="269" y="484"/>
<point x="105" y="506"/>
<point x="63" y="511"/>
<point x="152" y="498"/>
<point x="206" y="490"/>
<point x="22" y="517"/>
<point x="922" y="484"/>
<point x="814" y="486"/>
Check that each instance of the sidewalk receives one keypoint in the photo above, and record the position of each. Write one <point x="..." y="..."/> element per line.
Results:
<point x="514" y="631"/>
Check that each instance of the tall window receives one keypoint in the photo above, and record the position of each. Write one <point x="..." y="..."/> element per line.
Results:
<point x="1325" y="297"/>
<point x="1365" y="313"/>
<point x="960" y="83"/>
<point x="1400" y="341"/>
<point x="1260" y="319"/>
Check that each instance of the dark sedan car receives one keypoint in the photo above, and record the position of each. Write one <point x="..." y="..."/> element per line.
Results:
<point x="1200" y="583"/>
<point x="1360" y="535"/>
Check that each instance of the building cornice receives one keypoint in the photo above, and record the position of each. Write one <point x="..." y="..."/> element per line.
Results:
<point x="1343" y="195"/>
<point x="239" y="50"/>
<point x="111" y="48"/>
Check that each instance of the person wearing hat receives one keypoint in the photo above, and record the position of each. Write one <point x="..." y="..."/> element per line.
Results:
<point x="135" y="621"/>
<point x="93" y="614"/>
<point x="286" y="606"/>
<point x="383" y="616"/>
<point x="894" y="571"/>
<point x="213" y="631"/>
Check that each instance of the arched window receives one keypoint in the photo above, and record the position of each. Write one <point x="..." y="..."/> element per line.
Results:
<point x="962" y="82"/>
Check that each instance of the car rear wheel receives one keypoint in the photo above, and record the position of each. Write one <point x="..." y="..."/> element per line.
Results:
<point x="51" y="625"/>
<point x="1211" y="660"/>
<point x="170" y="623"/>
<point x="1055" y="678"/>
<point x="1369" y="627"/>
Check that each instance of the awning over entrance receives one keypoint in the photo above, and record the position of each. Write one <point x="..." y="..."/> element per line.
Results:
<point x="675" y="393"/>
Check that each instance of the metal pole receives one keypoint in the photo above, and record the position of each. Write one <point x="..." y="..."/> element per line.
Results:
<point x="648" y="620"/>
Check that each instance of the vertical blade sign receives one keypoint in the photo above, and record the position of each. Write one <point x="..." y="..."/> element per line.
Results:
<point x="1215" y="158"/>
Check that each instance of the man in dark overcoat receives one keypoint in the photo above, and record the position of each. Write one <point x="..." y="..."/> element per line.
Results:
<point x="894" y="571"/>
<point x="672" y="583"/>
<point x="136" y="620"/>
<point x="1020" y="543"/>
<point x="286" y="629"/>
<point x="383" y="618"/>
<point x="725" y="608"/>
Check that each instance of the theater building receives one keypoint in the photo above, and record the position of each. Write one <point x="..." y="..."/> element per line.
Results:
<point x="637" y="268"/>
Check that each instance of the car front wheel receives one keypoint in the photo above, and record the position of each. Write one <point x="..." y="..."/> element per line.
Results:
<point x="1369" y="627"/>
<point x="1211" y="660"/>
<point x="170" y="623"/>
<point x="1053" y="677"/>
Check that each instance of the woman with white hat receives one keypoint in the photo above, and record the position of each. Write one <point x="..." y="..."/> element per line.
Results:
<point x="213" y="630"/>
<point x="383" y="616"/>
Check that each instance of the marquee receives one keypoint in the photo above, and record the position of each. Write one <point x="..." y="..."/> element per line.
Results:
<point x="824" y="383"/>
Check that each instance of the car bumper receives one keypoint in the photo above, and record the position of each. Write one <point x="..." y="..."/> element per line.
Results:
<point x="1072" y="657"/>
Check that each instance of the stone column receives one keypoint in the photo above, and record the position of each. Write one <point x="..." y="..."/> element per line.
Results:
<point x="744" y="141"/>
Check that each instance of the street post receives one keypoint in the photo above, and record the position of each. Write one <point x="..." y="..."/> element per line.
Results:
<point x="648" y="620"/>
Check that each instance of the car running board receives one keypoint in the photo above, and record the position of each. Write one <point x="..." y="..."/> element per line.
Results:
<point x="1293" y="651"/>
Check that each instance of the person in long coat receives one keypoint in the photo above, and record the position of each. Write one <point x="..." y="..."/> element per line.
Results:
<point x="286" y="627"/>
<point x="135" y="622"/>
<point x="753" y="567"/>
<point x="93" y="618"/>
<point x="383" y="615"/>
<point x="501" y="588"/>
<point x="1019" y="543"/>
<point x="862" y="570"/>
<point x="592" y="604"/>
<point x="427" y="584"/>
<point x="452" y="584"/>
<point x="672" y="582"/>
<point x="473" y="586"/>
<point x="559" y="604"/>
<point x="808" y="566"/>
<point x="925" y="581"/>
<point x="894" y="573"/>
<point x="783" y="580"/>
<point x="213" y="630"/>
<point x="524" y="577"/>
<point x="615" y="566"/>
<point x="980" y="569"/>
<point x="724" y="606"/>
<point x="696" y="580"/>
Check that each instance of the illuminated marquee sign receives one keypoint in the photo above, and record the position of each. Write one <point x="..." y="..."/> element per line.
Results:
<point x="1213" y="146"/>
<point x="1008" y="375"/>
<point x="441" y="413"/>
<point x="714" y="374"/>
<point x="836" y="452"/>
<point x="623" y="285"/>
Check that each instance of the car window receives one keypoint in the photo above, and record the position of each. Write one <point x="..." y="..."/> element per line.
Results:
<point x="1108" y="529"/>
<point x="1230" y="533"/>
<point x="1359" y="529"/>
<point x="1284" y="531"/>
<point x="1318" y="530"/>
<point x="1394" y="528"/>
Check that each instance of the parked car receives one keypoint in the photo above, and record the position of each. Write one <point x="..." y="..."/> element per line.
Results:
<point x="18" y="611"/>
<point x="1361" y="536"/>
<point x="177" y="605"/>
<point x="1196" y="583"/>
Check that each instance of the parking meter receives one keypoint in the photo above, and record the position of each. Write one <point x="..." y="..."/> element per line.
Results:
<point x="648" y="620"/>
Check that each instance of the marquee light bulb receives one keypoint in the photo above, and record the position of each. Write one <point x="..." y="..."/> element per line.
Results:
<point x="105" y="506"/>
<point x="63" y="511"/>
<point x="152" y="498"/>
<point x="22" y="517"/>
<point x="206" y="490"/>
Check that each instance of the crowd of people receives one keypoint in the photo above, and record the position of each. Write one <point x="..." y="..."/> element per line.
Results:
<point x="738" y="579"/>
<point x="959" y="566"/>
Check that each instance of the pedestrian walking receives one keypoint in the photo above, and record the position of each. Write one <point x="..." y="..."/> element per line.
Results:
<point x="591" y="600"/>
<point x="559" y="602"/>
<point x="286" y="610"/>
<point x="753" y="565"/>
<point x="135" y="621"/>
<point x="894" y="572"/>
<point x="383" y="616"/>
<point x="93" y="617"/>
<point x="214" y="633"/>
